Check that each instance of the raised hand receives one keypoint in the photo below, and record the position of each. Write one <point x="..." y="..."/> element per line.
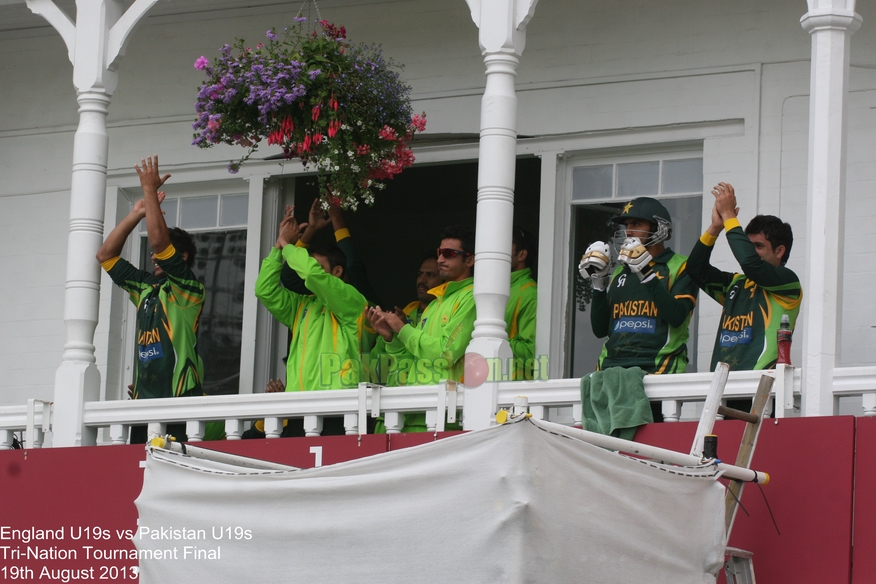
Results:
<point x="290" y="230"/>
<point x="140" y="206"/>
<point x="725" y="201"/>
<point x="317" y="219"/>
<point x="150" y="178"/>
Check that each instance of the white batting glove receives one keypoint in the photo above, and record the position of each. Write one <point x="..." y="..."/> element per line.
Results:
<point x="595" y="265"/>
<point x="634" y="255"/>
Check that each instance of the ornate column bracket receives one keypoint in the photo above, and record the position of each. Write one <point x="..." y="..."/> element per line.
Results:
<point x="831" y="24"/>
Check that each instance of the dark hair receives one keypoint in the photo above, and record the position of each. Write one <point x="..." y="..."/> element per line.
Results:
<point x="523" y="239"/>
<point x="183" y="243"/>
<point x="465" y="235"/>
<point x="332" y="253"/>
<point x="774" y="230"/>
<point x="429" y="255"/>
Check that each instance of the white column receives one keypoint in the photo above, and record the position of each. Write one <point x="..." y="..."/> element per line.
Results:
<point x="502" y="24"/>
<point x="831" y="24"/>
<point x="95" y="44"/>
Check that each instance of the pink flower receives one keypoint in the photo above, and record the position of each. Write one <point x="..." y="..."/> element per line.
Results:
<point x="212" y="125"/>
<point x="201" y="63"/>
<point x="418" y="122"/>
<point x="388" y="133"/>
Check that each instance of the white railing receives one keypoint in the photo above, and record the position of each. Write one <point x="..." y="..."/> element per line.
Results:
<point x="33" y="419"/>
<point x="546" y="400"/>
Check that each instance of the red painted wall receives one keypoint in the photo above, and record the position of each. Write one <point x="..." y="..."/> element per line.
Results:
<point x="812" y="463"/>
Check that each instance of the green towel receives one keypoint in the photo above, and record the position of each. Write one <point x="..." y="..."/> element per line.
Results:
<point x="614" y="402"/>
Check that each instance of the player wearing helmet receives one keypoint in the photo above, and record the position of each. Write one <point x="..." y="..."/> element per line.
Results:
<point x="644" y="306"/>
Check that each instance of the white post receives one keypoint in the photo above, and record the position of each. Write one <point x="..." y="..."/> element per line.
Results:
<point x="830" y="24"/>
<point x="95" y="44"/>
<point x="502" y="24"/>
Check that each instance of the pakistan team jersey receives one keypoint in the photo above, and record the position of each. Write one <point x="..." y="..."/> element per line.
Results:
<point x="646" y="324"/>
<point x="327" y="327"/>
<point x="168" y="309"/>
<point x="754" y="301"/>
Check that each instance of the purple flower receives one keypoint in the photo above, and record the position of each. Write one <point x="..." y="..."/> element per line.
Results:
<point x="271" y="35"/>
<point x="314" y="73"/>
<point x="201" y="63"/>
<point x="300" y="19"/>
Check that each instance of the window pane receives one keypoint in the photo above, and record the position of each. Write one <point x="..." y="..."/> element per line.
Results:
<point x="198" y="212"/>
<point x="592" y="182"/>
<point x="169" y="207"/>
<point x="683" y="176"/>
<point x="637" y="179"/>
<point x="233" y="210"/>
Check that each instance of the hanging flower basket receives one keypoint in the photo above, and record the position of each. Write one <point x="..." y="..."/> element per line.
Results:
<point x="339" y="107"/>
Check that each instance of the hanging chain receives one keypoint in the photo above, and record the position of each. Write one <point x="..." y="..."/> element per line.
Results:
<point x="309" y="6"/>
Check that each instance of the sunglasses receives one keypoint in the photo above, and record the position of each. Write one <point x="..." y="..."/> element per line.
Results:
<point x="449" y="253"/>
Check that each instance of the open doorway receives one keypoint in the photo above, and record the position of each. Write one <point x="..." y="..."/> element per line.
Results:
<point x="408" y="217"/>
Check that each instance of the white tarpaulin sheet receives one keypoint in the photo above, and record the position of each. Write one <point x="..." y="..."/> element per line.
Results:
<point x="527" y="501"/>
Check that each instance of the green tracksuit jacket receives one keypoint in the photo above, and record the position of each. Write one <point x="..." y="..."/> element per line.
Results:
<point x="434" y="350"/>
<point x="520" y="317"/>
<point x="754" y="301"/>
<point x="327" y="327"/>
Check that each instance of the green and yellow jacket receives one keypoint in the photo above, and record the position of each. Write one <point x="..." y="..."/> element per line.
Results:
<point x="327" y="327"/>
<point x="754" y="301"/>
<point x="167" y="363"/>
<point x="520" y="317"/>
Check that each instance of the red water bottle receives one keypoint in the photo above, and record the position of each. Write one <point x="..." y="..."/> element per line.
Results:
<point x="783" y="337"/>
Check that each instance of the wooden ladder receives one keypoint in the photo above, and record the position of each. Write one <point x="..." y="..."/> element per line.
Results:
<point x="738" y="567"/>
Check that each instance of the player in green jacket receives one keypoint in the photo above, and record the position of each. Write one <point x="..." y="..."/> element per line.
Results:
<point x="755" y="300"/>
<point x="326" y="326"/>
<point x="522" y="305"/>
<point x="435" y="349"/>
<point x="169" y="302"/>
<point x="645" y="307"/>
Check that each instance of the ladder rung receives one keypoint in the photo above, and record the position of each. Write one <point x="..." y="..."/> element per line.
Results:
<point x="737" y="414"/>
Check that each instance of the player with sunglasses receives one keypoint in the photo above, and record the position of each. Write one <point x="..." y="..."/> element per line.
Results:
<point x="435" y="348"/>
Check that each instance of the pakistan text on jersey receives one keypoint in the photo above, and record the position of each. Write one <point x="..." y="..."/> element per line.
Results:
<point x="738" y="323"/>
<point x="634" y="308"/>
<point x="149" y="337"/>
